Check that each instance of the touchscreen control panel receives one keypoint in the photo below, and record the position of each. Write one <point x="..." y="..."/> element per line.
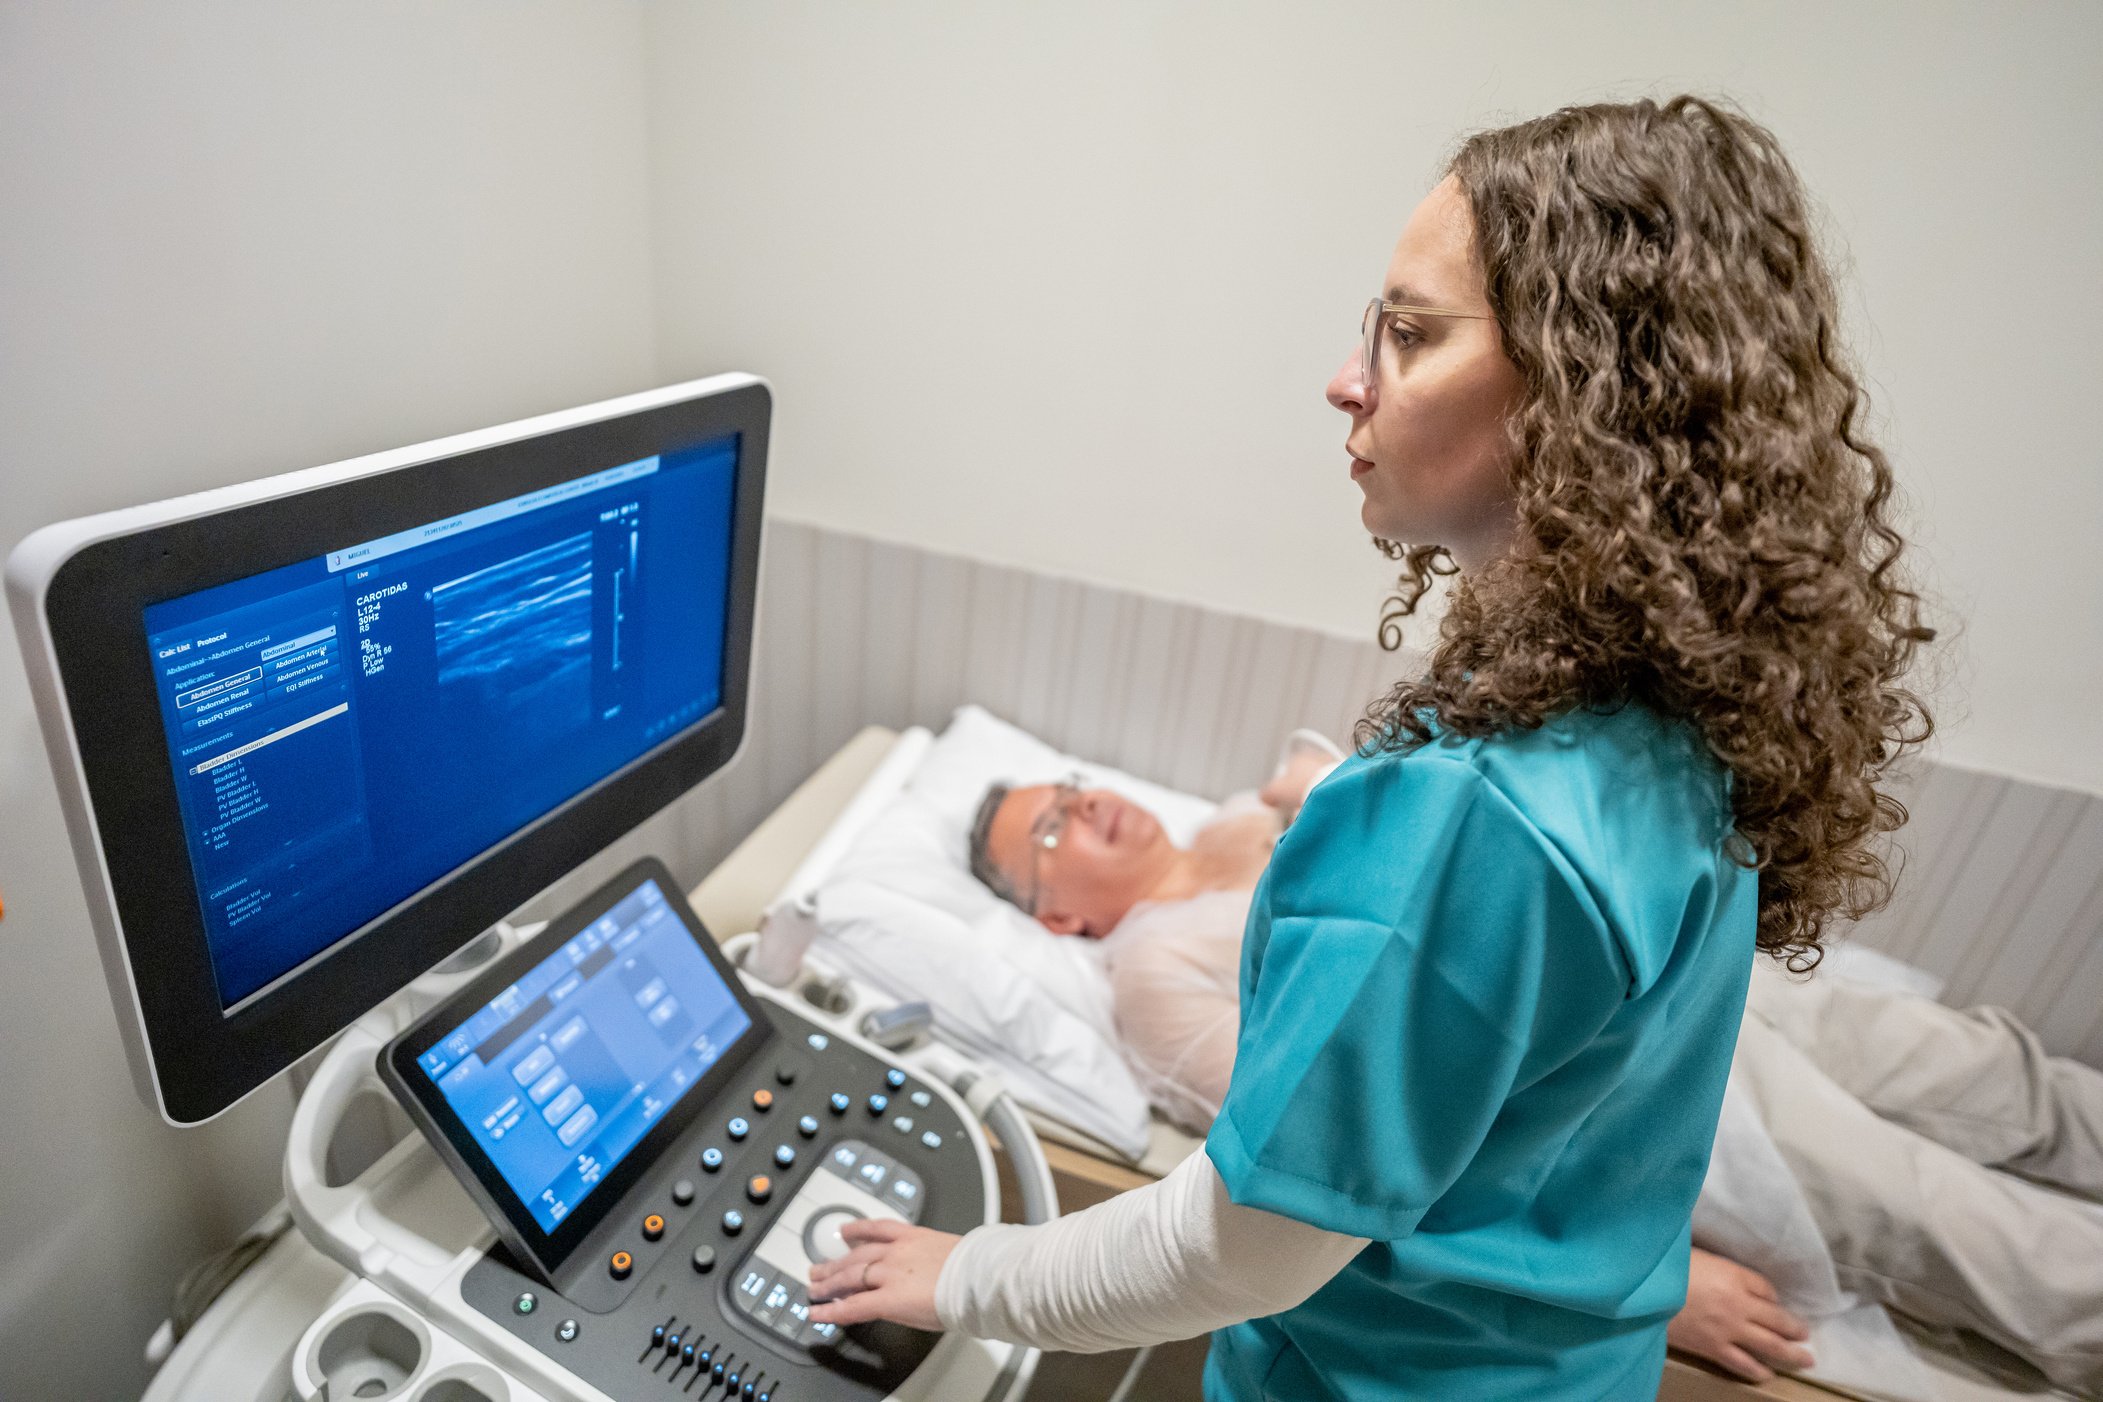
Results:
<point x="664" y="1157"/>
<point x="560" y="1075"/>
<point x="696" y="1287"/>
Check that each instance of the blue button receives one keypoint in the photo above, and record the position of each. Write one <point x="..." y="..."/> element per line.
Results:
<point x="879" y="1103"/>
<point x="807" y="1127"/>
<point x="931" y="1139"/>
<point x="784" y="1156"/>
<point x="711" y="1158"/>
<point x="839" y="1102"/>
<point x="738" y="1128"/>
<point x="819" y="1041"/>
<point x="526" y="1303"/>
<point x="733" y="1222"/>
<point x="895" y="1079"/>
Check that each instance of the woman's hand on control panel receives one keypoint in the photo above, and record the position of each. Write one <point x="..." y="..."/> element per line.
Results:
<point x="889" y="1273"/>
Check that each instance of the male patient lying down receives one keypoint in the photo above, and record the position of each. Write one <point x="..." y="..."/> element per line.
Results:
<point x="1908" y="1125"/>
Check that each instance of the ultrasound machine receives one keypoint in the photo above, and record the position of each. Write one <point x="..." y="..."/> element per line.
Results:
<point x="317" y="738"/>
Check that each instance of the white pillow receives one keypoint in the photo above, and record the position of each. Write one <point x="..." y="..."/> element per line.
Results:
<point x="901" y="908"/>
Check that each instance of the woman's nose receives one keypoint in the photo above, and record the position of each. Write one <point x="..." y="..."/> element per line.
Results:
<point x="1349" y="390"/>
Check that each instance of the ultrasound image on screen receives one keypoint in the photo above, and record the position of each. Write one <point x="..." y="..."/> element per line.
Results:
<point x="516" y="638"/>
<point x="345" y="731"/>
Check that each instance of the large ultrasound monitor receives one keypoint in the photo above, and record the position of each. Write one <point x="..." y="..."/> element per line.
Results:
<point x="315" y="732"/>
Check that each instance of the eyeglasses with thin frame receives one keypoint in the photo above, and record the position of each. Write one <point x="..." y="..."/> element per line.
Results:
<point x="1046" y="832"/>
<point x="1377" y="313"/>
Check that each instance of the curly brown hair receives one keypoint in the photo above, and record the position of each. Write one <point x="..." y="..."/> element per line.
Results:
<point x="1706" y="529"/>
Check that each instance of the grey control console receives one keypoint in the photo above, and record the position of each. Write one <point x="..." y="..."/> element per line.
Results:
<point x="695" y="1287"/>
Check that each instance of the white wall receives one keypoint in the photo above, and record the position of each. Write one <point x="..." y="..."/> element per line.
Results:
<point x="1060" y="285"/>
<point x="238" y="238"/>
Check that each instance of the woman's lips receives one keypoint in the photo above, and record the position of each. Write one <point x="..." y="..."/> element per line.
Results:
<point x="1359" y="468"/>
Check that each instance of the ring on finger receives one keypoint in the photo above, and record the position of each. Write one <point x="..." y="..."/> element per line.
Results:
<point x="865" y="1273"/>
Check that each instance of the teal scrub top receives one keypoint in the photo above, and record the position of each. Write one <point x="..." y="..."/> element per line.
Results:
<point x="1489" y="992"/>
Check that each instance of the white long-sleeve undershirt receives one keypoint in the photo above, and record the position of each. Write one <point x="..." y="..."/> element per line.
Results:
<point x="1172" y="1260"/>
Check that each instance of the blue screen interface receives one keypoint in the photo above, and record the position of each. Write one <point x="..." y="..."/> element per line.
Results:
<point x="347" y="730"/>
<point x="559" y="1076"/>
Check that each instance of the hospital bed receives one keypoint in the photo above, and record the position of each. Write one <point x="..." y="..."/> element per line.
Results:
<point x="1086" y="1169"/>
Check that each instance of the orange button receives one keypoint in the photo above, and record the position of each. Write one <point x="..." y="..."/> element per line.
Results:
<point x="620" y="1265"/>
<point x="653" y="1227"/>
<point x="763" y="1100"/>
<point x="760" y="1188"/>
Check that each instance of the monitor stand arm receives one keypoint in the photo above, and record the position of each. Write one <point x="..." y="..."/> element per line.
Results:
<point x="330" y="1216"/>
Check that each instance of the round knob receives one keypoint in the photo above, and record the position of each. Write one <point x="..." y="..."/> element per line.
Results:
<point x="763" y="1100"/>
<point x="807" y="1127"/>
<point x="821" y="1235"/>
<point x="759" y="1187"/>
<point x="895" y="1078"/>
<point x="879" y="1103"/>
<point x="733" y="1222"/>
<point x="738" y="1127"/>
<point x="683" y="1191"/>
<point x="839" y="1102"/>
<point x="711" y="1158"/>
<point x="653" y="1227"/>
<point x="620" y="1265"/>
<point x="704" y="1259"/>
<point x="783" y="1156"/>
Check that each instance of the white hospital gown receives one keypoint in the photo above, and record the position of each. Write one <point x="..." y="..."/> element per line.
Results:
<point x="1175" y="970"/>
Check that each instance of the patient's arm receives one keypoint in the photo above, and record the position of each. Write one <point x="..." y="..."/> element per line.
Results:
<point x="1732" y="1317"/>
<point x="1171" y="1260"/>
<point x="1302" y="769"/>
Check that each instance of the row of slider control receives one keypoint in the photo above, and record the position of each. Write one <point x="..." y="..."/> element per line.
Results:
<point x="708" y="1361"/>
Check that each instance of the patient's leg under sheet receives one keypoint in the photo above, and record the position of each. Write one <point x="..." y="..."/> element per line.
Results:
<point x="1975" y="1081"/>
<point x="1918" y="1227"/>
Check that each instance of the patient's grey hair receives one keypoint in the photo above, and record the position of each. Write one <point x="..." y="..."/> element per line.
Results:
<point x="982" y="864"/>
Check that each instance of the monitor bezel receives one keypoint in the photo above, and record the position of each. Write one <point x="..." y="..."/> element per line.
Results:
<point x="192" y="1058"/>
<point x="543" y="1251"/>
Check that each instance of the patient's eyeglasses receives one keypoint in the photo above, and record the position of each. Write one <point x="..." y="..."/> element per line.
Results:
<point x="1378" y="313"/>
<point x="1046" y="832"/>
